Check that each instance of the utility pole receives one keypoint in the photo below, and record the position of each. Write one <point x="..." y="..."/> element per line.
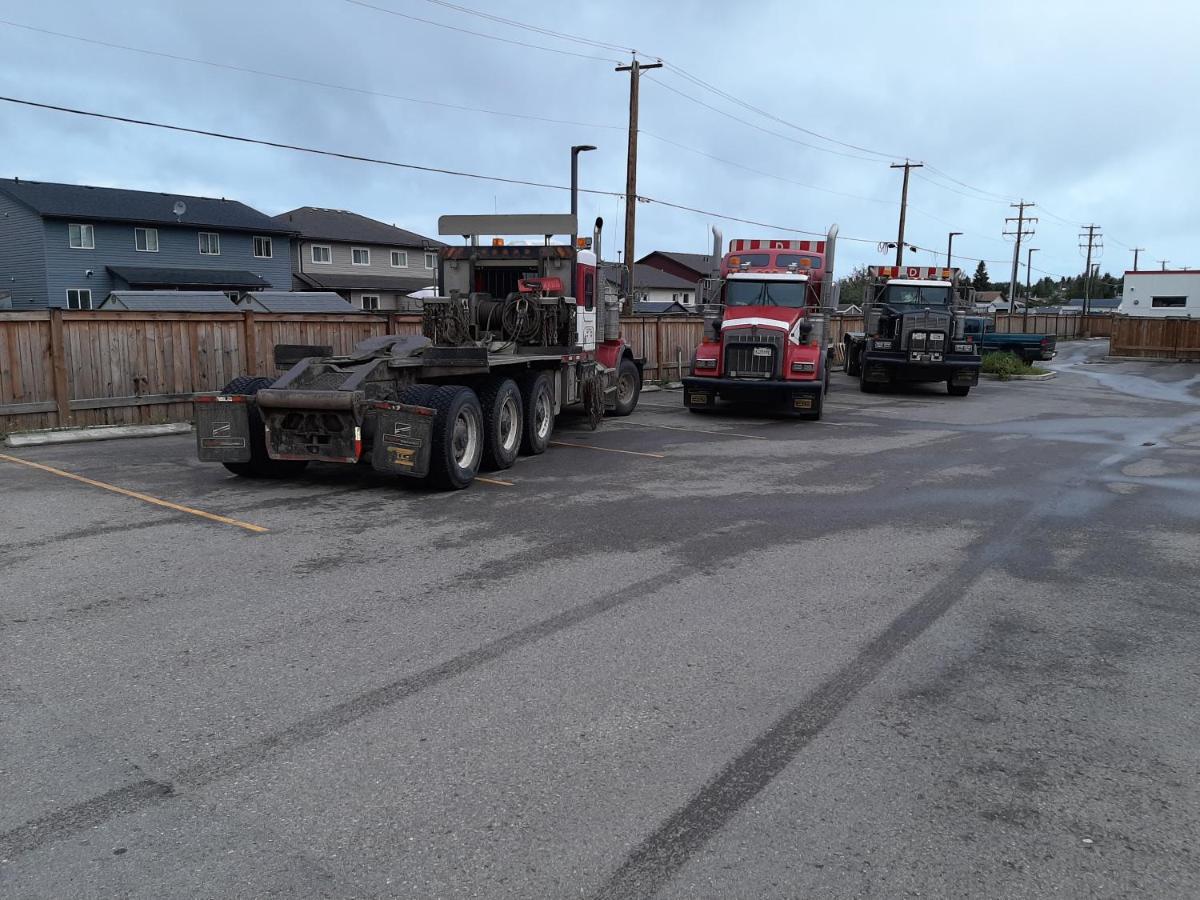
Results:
<point x="906" y="166"/>
<point x="1087" y="277"/>
<point x="1136" y="251"/>
<point x="950" y="245"/>
<point x="635" y="69"/>
<point x="1020" y="234"/>
<point x="1028" y="285"/>
<point x="1164" y="263"/>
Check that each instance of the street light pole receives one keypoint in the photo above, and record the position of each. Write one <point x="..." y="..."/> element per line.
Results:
<point x="1028" y="285"/>
<point x="575" y="151"/>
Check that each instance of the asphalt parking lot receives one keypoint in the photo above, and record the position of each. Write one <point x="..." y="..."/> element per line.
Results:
<point x="928" y="646"/>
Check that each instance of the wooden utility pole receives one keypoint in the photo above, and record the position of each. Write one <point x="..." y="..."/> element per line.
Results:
<point x="1136" y="251"/>
<point x="635" y="69"/>
<point x="1022" y="220"/>
<point x="906" y="166"/>
<point x="1087" y="276"/>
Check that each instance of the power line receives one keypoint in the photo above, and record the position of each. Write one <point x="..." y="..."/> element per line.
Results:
<point x="548" y="32"/>
<point x="301" y="80"/>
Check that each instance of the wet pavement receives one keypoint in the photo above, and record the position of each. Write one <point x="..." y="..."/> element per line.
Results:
<point x="928" y="646"/>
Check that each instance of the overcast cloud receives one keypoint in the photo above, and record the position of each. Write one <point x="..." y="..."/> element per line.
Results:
<point x="1085" y="108"/>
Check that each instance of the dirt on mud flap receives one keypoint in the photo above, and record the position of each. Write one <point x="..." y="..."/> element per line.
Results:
<point x="403" y="439"/>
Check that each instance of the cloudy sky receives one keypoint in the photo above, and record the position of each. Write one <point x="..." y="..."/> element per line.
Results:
<point x="1085" y="108"/>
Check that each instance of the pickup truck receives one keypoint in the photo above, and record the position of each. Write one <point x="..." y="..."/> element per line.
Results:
<point x="1029" y="347"/>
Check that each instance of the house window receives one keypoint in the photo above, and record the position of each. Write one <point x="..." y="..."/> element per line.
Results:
<point x="1170" y="302"/>
<point x="82" y="237"/>
<point x="210" y="243"/>
<point x="370" y="301"/>
<point x="399" y="259"/>
<point x="145" y="240"/>
<point x="321" y="254"/>
<point x="79" y="298"/>
<point x="360" y="256"/>
<point x="431" y="260"/>
<point x="262" y="248"/>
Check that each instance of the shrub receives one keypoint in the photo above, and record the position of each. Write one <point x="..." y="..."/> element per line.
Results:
<point x="1006" y="365"/>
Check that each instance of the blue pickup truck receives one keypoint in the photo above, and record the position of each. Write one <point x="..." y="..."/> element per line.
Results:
<point x="1029" y="347"/>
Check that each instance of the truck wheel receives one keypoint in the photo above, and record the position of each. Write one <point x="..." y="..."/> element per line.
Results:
<point x="957" y="390"/>
<point x="537" y="400"/>
<point x="260" y="465"/>
<point x="503" y="422"/>
<point x="852" y="364"/>
<point x="629" y="387"/>
<point x="457" y="446"/>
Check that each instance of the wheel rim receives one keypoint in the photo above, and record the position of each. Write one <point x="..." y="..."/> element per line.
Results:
<point x="465" y="443"/>
<point x="510" y="424"/>
<point x="625" y="388"/>
<point x="542" y="418"/>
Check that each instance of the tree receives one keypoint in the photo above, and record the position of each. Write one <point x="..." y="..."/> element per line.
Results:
<point x="853" y="287"/>
<point x="980" y="281"/>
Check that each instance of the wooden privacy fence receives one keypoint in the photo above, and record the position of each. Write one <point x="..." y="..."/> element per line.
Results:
<point x="1068" y="326"/>
<point x="1174" y="339"/>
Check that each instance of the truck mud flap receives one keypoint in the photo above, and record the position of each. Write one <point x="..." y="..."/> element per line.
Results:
<point x="223" y="428"/>
<point x="403" y="435"/>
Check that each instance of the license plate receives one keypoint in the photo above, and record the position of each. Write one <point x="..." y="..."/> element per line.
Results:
<point x="762" y="351"/>
<point x="698" y="399"/>
<point x="802" y="402"/>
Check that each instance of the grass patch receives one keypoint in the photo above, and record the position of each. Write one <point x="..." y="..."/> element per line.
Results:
<point x="1006" y="365"/>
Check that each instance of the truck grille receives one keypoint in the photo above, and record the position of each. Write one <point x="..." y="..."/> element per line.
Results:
<point x="752" y="353"/>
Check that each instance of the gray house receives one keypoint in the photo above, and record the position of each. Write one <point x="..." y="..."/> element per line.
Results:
<point x="371" y="264"/>
<point x="71" y="245"/>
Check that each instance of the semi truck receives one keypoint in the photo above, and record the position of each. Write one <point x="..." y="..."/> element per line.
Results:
<point x="766" y="339"/>
<point x="914" y="331"/>
<point x="520" y="331"/>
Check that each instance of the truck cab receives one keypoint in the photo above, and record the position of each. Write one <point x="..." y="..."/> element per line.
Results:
<point x="914" y="331"/>
<point x="765" y="337"/>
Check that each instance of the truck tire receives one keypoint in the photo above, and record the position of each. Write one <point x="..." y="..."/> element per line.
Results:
<point x="503" y="422"/>
<point x="629" y="387"/>
<point x="957" y="390"/>
<point x="457" y="446"/>
<point x="853" y="367"/>
<point x="260" y="465"/>
<point x="537" y="401"/>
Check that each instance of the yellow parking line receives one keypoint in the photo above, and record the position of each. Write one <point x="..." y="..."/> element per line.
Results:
<point x="494" y="481"/>
<point x="608" y="449"/>
<point x="136" y="495"/>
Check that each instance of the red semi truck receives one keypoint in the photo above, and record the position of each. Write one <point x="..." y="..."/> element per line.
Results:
<point x="766" y="339"/>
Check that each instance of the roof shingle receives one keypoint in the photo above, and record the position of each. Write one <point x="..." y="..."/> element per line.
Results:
<point x="319" y="224"/>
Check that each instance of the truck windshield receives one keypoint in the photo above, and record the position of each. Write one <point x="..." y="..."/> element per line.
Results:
<point x="917" y="295"/>
<point x="766" y="293"/>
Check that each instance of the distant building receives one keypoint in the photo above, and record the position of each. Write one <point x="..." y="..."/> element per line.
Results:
<point x="297" y="302"/>
<point x="68" y="245"/>
<point x="168" y="301"/>
<point x="655" y="285"/>
<point x="660" y="308"/>
<point x="370" y="264"/>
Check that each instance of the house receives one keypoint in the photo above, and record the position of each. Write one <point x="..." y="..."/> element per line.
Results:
<point x="656" y="285"/>
<point x="296" y="302"/>
<point x="370" y="264"/>
<point x="69" y="245"/>
<point x="693" y="267"/>
<point x="1096" y="305"/>
<point x="168" y="301"/>
<point x="1159" y="294"/>
<point x="661" y="308"/>
<point x="851" y="309"/>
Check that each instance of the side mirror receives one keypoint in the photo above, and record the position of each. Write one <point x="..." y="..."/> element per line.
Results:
<point x="804" y="331"/>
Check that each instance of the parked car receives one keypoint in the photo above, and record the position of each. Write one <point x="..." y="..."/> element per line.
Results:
<point x="1029" y="347"/>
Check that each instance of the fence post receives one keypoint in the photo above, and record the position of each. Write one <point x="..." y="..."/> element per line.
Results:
<point x="58" y="368"/>
<point x="249" y="341"/>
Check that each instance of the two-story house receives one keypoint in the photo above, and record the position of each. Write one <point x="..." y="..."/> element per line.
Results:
<point x="70" y="245"/>
<point x="371" y="264"/>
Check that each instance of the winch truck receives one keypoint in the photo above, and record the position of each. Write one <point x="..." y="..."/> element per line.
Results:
<point x="913" y="330"/>
<point x="521" y="331"/>
<point x="766" y="340"/>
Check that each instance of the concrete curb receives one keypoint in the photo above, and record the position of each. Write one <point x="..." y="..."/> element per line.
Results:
<point x="98" y="433"/>
<point x="1046" y="377"/>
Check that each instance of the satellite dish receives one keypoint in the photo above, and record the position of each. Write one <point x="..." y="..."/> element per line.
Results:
<point x="180" y="208"/>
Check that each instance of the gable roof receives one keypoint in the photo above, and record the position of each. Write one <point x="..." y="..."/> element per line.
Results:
<point x="168" y="301"/>
<point x="313" y="222"/>
<point x="700" y="263"/>
<point x="649" y="277"/>
<point x="296" y="302"/>
<point x="78" y="201"/>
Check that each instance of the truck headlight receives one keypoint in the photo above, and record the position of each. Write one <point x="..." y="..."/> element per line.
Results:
<point x="798" y="366"/>
<point x="881" y="345"/>
<point x="964" y="348"/>
<point x="706" y="364"/>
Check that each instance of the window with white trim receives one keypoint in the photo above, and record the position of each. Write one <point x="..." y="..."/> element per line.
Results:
<point x="370" y="301"/>
<point x="145" y="240"/>
<point x="81" y="237"/>
<point x="322" y="255"/>
<point x="360" y="256"/>
<point x="210" y="243"/>
<point x="431" y="260"/>
<point x="262" y="247"/>
<point x="399" y="259"/>
<point x="79" y="298"/>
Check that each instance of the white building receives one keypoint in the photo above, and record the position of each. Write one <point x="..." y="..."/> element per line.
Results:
<point x="1161" y="294"/>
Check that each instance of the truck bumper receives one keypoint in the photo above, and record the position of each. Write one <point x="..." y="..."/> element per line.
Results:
<point x="700" y="392"/>
<point x="881" y="367"/>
